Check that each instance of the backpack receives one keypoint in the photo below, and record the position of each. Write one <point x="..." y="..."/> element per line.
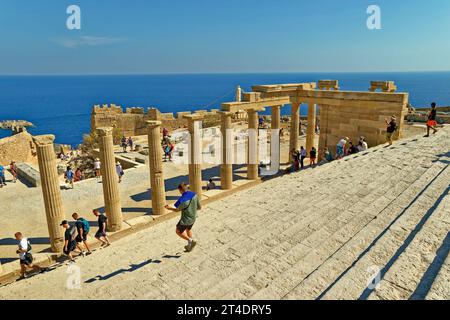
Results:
<point x="86" y="226"/>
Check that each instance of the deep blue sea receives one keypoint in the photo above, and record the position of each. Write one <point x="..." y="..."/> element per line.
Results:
<point x="61" y="105"/>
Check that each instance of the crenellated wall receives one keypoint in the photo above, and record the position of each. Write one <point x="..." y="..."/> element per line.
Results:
<point x="132" y="122"/>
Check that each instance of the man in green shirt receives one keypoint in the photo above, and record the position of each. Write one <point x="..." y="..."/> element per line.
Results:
<point x="188" y="204"/>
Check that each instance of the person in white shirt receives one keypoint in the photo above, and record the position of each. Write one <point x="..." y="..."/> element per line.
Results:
<point x="303" y="155"/>
<point x="362" y="146"/>
<point x="25" y="256"/>
<point x="97" y="165"/>
<point x="340" y="148"/>
<point x="119" y="171"/>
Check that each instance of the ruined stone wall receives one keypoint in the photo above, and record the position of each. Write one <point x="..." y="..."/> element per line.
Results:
<point x="356" y="118"/>
<point x="19" y="148"/>
<point x="132" y="122"/>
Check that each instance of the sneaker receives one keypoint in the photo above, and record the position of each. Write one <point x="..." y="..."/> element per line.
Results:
<point x="23" y="277"/>
<point x="191" y="246"/>
<point x="83" y="254"/>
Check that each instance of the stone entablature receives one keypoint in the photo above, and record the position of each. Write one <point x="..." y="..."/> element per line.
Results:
<point x="385" y="86"/>
<point x="328" y="85"/>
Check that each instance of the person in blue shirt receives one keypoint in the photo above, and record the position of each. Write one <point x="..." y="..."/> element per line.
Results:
<point x="69" y="176"/>
<point x="2" y="176"/>
<point x="188" y="204"/>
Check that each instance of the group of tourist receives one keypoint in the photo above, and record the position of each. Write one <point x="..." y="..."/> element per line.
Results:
<point x="71" y="177"/>
<point x="299" y="156"/>
<point x="127" y="143"/>
<point x="76" y="233"/>
<point x="12" y="170"/>
<point x="167" y="145"/>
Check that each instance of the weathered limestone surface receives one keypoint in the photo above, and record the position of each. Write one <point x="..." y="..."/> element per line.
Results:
<point x="156" y="168"/>
<point x="50" y="190"/>
<point x="313" y="234"/>
<point x="253" y="163"/>
<point x="311" y="129"/>
<point x="195" y="153"/>
<point x="19" y="147"/>
<point x="226" y="168"/>
<point x="295" y="128"/>
<point x="110" y="179"/>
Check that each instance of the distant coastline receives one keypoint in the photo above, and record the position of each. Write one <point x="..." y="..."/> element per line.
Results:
<point x="61" y="105"/>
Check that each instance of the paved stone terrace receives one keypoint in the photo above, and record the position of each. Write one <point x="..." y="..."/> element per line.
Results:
<point x="309" y="235"/>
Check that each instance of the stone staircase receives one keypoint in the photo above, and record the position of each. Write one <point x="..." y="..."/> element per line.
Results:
<point x="323" y="233"/>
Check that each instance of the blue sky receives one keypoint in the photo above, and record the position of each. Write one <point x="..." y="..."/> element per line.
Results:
<point x="207" y="36"/>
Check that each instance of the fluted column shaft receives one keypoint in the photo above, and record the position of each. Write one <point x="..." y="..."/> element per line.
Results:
<point x="276" y="118"/>
<point x="110" y="179"/>
<point x="157" y="187"/>
<point x="311" y="130"/>
<point x="195" y="153"/>
<point x="295" y="129"/>
<point x="50" y="190"/>
<point x="253" y="161"/>
<point x="226" y="168"/>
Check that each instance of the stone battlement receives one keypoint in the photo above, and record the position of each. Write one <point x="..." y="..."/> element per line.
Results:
<point x="132" y="122"/>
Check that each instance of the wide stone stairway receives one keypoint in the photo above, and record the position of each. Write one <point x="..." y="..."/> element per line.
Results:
<point x="372" y="226"/>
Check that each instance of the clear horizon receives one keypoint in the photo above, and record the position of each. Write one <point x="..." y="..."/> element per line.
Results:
<point x="204" y="37"/>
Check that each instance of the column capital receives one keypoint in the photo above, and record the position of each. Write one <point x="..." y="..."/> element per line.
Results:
<point x="44" y="140"/>
<point x="256" y="110"/>
<point x="153" y="123"/>
<point x="105" y="131"/>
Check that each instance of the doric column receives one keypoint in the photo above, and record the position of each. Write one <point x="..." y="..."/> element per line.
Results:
<point x="226" y="168"/>
<point x="276" y="126"/>
<point x="295" y="129"/>
<point x="50" y="190"/>
<point x="157" y="187"/>
<point x="109" y="179"/>
<point x="311" y="130"/>
<point x="276" y="117"/>
<point x="195" y="153"/>
<point x="253" y="159"/>
<point x="238" y="94"/>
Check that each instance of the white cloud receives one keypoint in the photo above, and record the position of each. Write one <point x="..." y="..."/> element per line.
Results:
<point x="88" y="41"/>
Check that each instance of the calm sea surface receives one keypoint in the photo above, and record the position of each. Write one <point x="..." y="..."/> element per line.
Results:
<point x="61" y="105"/>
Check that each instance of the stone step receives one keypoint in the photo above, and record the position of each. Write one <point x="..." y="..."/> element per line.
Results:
<point x="313" y="236"/>
<point x="352" y="284"/>
<point x="334" y="241"/>
<point x="412" y="271"/>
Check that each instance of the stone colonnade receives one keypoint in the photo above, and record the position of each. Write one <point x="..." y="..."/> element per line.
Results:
<point x="50" y="180"/>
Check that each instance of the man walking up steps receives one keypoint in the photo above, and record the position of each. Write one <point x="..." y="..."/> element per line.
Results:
<point x="188" y="204"/>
